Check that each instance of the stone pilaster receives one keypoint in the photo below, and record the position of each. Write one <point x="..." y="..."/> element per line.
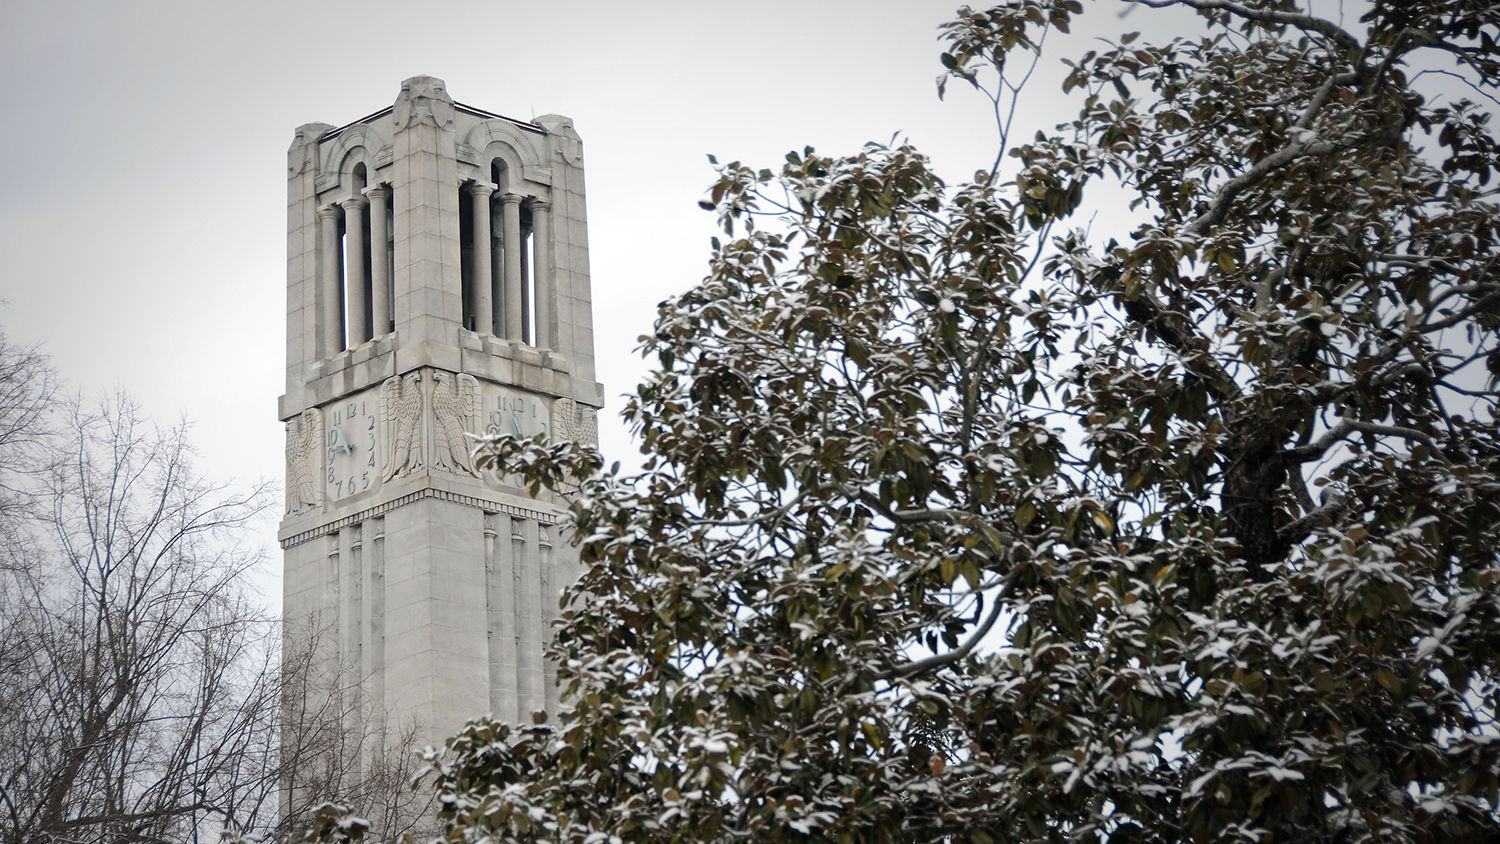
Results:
<point x="429" y="282"/>
<point x="302" y="253"/>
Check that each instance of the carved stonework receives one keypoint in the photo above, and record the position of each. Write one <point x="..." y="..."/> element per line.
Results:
<point x="304" y="460"/>
<point x="304" y="150"/>
<point x="574" y="422"/>
<point x="423" y="99"/>
<point x="455" y="412"/>
<point x="568" y="145"/>
<point x="401" y="415"/>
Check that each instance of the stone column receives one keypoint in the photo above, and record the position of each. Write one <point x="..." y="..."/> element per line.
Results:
<point x="481" y="288"/>
<point x="331" y="285"/>
<point x="510" y="210"/>
<point x="497" y="267"/>
<point x="380" y="265"/>
<point x="354" y="269"/>
<point x="541" y="259"/>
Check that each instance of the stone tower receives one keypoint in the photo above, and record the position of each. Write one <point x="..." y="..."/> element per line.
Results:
<point x="437" y="285"/>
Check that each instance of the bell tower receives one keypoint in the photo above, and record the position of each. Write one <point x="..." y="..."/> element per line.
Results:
<point x="437" y="286"/>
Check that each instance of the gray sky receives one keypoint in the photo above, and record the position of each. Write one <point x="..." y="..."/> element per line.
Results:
<point x="142" y="162"/>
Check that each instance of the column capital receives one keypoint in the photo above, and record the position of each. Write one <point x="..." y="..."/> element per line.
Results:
<point x="354" y="203"/>
<point x="537" y="203"/>
<point x="330" y="212"/>
<point x="511" y="198"/>
<point x="481" y="188"/>
<point x="380" y="189"/>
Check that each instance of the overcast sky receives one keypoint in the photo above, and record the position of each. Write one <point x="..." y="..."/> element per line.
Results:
<point x="142" y="158"/>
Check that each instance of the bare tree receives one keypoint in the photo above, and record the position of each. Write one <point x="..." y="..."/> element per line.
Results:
<point x="138" y="689"/>
<point x="342" y="746"/>
<point x="142" y="683"/>
<point x="27" y="387"/>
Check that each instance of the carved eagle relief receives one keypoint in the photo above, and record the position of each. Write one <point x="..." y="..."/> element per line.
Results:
<point x="574" y="422"/>
<point x="455" y="411"/>
<point x="304" y="460"/>
<point x="401" y="415"/>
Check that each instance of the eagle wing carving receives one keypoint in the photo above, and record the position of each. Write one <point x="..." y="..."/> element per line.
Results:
<point x="401" y="408"/>
<point x="304" y="440"/>
<point x="453" y="410"/>
<point x="574" y="422"/>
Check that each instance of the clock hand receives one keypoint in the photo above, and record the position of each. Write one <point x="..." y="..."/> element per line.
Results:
<point x="340" y="444"/>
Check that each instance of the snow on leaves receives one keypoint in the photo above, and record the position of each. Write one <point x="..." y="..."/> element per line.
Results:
<point x="899" y="414"/>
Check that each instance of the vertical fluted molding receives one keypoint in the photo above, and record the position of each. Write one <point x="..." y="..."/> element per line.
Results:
<point x="351" y="620"/>
<point x="510" y="212"/>
<point x="380" y="261"/>
<point x="372" y="671"/>
<point x="500" y="588"/>
<point x="480" y="286"/>
<point x="331" y="283"/>
<point x="528" y="656"/>
<point x="547" y="591"/>
<point x="354" y="270"/>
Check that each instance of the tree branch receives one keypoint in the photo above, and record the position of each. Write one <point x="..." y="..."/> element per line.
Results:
<point x="1297" y="531"/>
<point x="1347" y="426"/>
<point x="1300" y="21"/>
<point x="939" y="660"/>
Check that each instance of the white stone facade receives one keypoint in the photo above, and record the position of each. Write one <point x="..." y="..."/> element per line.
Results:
<point x="437" y="285"/>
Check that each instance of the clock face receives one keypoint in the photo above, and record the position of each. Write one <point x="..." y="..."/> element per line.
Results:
<point x="508" y="410"/>
<point x="515" y="412"/>
<point x="352" y="445"/>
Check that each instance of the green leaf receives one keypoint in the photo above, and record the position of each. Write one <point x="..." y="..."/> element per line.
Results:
<point x="1024" y="514"/>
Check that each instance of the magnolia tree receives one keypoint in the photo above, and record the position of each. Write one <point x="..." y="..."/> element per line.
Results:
<point x="957" y="525"/>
